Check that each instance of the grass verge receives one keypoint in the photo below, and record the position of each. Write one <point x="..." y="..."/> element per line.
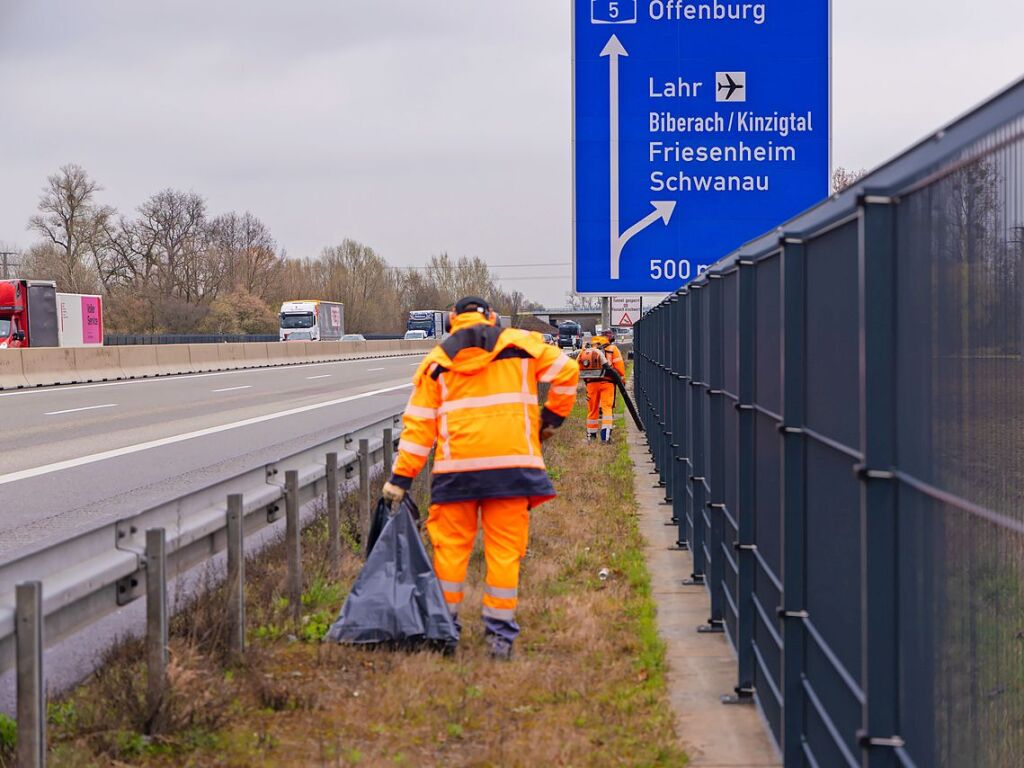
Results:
<point x="585" y="689"/>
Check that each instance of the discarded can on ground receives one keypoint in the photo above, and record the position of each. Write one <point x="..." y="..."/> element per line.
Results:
<point x="603" y="574"/>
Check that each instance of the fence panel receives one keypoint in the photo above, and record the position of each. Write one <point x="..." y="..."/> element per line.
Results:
<point x="730" y="439"/>
<point x="849" y="399"/>
<point x="767" y="554"/>
<point x="960" y="326"/>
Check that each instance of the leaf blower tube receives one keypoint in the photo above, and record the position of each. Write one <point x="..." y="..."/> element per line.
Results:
<point x="616" y="379"/>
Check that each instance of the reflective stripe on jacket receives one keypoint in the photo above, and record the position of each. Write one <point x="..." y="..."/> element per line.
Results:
<point x="475" y="396"/>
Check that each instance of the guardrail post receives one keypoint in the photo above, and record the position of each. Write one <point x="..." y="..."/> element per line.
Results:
<point x="333" y="512"/>
<point x="364" y="491"/>
<point x="236" y="575"/>
<point x="293" y="543"/>
<point x="879" y="512"/>
<point x="156" y="623"/>
<point x="794" y="498"/>
<point x="31" y="692"/>
<point x="389" y="450"/>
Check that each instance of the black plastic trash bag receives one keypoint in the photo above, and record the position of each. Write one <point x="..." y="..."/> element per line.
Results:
<point x="381" y="516"/>
<point x="397" y="599"/>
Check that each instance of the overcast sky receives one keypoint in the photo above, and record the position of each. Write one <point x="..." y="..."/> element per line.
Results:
<point x="414" y="126"/>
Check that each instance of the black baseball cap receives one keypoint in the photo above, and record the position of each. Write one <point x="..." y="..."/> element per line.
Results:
<point x="472" y="304"/>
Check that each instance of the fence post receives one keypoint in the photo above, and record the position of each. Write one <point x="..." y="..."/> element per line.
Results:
<point x="389" y="450"/>
<point x="715" y="462"/>
<point x="156" y="623"/>
<point x="879" y="513"/>
<point x="698" y="454"/>
<point x="364" y="491"/>
<point x="31" y="707"/>
<point x="293" y="543"/>
<point x="672" y="485"/>
<point x="236" y="575"/>
<point x="680" y="385"/>
<point x="677" y="424"/>
<point x="794" y="501"/>
<point x="747" y="299"/>
<point x="333" y="516"/>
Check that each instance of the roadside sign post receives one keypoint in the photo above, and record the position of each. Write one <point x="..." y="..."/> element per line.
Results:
<point x="697" y="125"/>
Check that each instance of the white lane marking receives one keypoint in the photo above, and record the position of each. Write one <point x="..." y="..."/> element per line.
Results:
<point x="373" y="370"/>
<point x="415" y="365"/>
<point x="232" y="389"/>
<point x="180" y="377"/>
<point x="322" y="376"/>
<point x="59" y="466"/>
<point x="87" y="408"/>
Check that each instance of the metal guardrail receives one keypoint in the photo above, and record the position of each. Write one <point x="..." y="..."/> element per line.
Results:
<point x="835" y="414"/>
<point x="61" y="589"/>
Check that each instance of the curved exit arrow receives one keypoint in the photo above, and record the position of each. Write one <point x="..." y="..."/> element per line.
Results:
<point x="662" y="209"/>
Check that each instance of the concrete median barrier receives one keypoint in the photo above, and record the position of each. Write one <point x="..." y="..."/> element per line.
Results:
<point x="295" y="351"/>
<point x="97" y="364"/>
<point x="45" y="366"/>
<point x="256" y="355"/>
<point x="350" y="349"/>
<point x="322" y="351"/>
<point x="173" y="359"/>
<point x="231" y="356"/>
<point x="12" y="373"/>
<point x="138" y="362"/>
<point x="50" y="366"/>
<point x="277" y="353"/>
<point x="204" y="358"/>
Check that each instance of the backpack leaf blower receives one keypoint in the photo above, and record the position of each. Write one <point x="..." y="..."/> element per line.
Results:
<point x="616" y="379"/>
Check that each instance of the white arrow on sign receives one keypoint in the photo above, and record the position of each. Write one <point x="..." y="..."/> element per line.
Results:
<point x="663" y="209"/>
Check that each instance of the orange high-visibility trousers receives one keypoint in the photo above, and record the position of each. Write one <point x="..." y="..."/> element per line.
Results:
<point x="452" y="527"/>
<point x="600" y="405"/>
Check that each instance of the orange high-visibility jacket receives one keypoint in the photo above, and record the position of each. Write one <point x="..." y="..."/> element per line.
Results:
<point x="475" y="395"/>
<point x="614" y="356"/>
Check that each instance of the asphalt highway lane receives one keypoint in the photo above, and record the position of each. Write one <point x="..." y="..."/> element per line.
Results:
<point x="76" y="456"/>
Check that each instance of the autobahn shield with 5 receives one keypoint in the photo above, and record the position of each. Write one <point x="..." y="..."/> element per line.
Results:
<point x="697" y="126"/>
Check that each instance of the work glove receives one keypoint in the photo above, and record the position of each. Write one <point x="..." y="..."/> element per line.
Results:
<point x="393" y="493"/>
<point x="546" y="432"/>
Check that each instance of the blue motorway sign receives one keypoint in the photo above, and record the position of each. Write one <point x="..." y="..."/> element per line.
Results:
<point x="698" y="125"/>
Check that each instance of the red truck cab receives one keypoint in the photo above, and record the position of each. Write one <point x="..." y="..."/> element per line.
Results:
<point x="27" y="314"/>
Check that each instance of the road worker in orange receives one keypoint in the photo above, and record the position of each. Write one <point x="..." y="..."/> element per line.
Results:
<point x="594" y="364"/>
<point x="475" y="396"/>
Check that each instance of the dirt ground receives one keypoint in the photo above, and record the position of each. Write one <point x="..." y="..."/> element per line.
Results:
<point x="586" y="687"/>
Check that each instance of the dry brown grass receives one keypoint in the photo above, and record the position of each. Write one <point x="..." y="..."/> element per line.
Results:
<point x="586" y="687"/>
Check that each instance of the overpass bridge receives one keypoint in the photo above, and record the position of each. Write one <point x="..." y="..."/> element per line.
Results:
<point x="588" y="319"/>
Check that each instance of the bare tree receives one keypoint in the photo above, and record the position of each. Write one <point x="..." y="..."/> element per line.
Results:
<point x="10" y="260"/>
<point x="843" y="178"/>
<point x="71" y="221"/>
<point x="171" y="268"/>
<point x="585" y="303"/>
<point x="175" y="224"/>
<point x="245" y="253"/>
